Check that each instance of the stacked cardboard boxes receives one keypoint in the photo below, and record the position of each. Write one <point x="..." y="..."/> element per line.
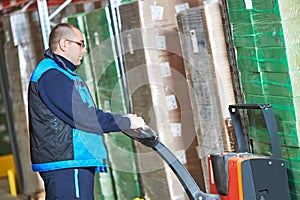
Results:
<point x="209" y="79"/>
<point x="159" y="91"/>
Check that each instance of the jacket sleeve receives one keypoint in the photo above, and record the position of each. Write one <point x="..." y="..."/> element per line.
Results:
<point x="58" y="93"/>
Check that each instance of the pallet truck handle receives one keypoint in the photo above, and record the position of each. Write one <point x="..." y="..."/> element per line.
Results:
<point x="149" y="138"/>
<point x="146" y="136"/>
<point x="242" y="142"/>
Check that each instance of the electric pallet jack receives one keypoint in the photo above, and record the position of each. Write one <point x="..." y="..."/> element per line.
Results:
<point x="238" y="175"/>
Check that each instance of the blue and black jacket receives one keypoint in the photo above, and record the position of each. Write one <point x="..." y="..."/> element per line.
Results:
<point x="65" y="126"/>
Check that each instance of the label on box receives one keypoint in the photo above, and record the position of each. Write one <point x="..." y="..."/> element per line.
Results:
<point x="130" y="46"/>
<point x="171" y="102"/>
<point x="165" y="69"/>
<point x="180" y="155"/>
<point x="176" y="129"/>
<point x="181" y="7"/>
<point x="248" y="4"/>
<point x="7" y="36"/>
<point x="2" y="128"/>
<point x="96" y="36"/>
<point x="157" y="13"/>
<point x="160" y="42"/>
<point x="115" y="3"/>
<point x="194" y="41"/>
<point x="107" y="106"/>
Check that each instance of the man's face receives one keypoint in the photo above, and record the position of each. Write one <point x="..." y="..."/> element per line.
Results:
<point x="76" y="48"/>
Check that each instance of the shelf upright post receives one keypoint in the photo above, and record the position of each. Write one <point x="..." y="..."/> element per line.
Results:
<point x="44" y="21"/>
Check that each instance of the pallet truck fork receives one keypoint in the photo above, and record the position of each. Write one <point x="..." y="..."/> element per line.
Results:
<point x="233" y="175"/>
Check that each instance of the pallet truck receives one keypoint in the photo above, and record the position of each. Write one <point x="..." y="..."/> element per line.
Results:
<point x="238" y="175"/>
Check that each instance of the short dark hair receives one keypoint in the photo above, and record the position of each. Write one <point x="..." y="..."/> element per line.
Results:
<point x="60" y="31"/>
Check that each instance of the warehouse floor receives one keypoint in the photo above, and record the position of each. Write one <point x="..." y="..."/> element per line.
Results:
<point x="4" y="190"/>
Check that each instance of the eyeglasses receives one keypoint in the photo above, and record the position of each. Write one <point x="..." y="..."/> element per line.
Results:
<point x="81" y="44"/>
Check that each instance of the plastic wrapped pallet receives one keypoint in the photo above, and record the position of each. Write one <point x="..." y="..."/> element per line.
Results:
<point x="103" y="182"/>
<point x="276" y="56"/>
<point x="162" y="13"/>
<point x="84" y="69"/>
<point x="183" y="140"/>
<point x="106" y="78"/>
<point x="23" y="49"/>
<point x="272" y="61"/>
<point x="201" y="75"/>
<point x="218" y="46"/>
<point x="5" y="142"/>
<point x="150" y="165"/>
<point x="155" y="73"/>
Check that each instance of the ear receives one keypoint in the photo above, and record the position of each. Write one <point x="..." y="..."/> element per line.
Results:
<point x="62" y="44"/>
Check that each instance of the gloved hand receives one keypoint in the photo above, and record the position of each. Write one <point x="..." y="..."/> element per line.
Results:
<point x="136" y="122"/>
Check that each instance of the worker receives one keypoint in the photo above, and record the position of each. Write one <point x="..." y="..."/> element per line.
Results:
<point x="65" y="126"/>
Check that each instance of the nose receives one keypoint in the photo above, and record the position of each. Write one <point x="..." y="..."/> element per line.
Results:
<point x="84" y="50"/>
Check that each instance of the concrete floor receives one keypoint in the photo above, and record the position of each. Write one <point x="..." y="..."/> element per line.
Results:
<point x="5" y="193"/>
<point x="7" y="196"/>
<point x="4" y="190"/>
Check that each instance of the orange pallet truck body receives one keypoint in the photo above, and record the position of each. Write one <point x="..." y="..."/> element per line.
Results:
<point x="245" y="176"/>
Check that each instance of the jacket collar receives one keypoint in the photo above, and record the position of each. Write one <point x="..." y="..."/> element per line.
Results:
<point x="61" y="61"/>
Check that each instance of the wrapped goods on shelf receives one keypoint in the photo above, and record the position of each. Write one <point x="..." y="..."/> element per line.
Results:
<point x="7" y="6"/>
<point x="165" y="107"/>
<point x="287" y="152"/>
<point x="245" y="65"/>
<point x="109" y="96"/>
<point x="23" y="49"/>
<point x="265" y="16"/>
<point x="201" y="75"/>
<point x="161" y="12"/>
<point x="5" y="145"/>
<point x="251" y="82"/>
<point x="291" y="32"/>
<point x="281" y="84"/>
<point x="5" y="141"/>
<point x="276" y="56"/>
<point x="289" y="9"/>
<point x="84" y="69"/>
<point x="239" y="28"/>
<point x="219" y="53"/>
<point x="103" y="188"/>
<point x="257" y="5"/>
<point x="160" y="93"/>
<point x="142" y="92"/>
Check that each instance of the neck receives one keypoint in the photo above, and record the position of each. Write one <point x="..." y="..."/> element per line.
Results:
<point x="60" y="59"/>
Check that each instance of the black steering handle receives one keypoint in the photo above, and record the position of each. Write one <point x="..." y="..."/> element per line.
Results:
<point x="146" y="136"/>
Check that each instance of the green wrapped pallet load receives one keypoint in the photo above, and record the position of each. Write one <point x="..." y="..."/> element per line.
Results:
<point x="102" y="72"/>
<point x="5" y="146"/>
<point x="267" y="46"/>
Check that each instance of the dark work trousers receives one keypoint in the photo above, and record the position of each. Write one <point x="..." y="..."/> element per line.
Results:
<point x="69" y="184"/>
